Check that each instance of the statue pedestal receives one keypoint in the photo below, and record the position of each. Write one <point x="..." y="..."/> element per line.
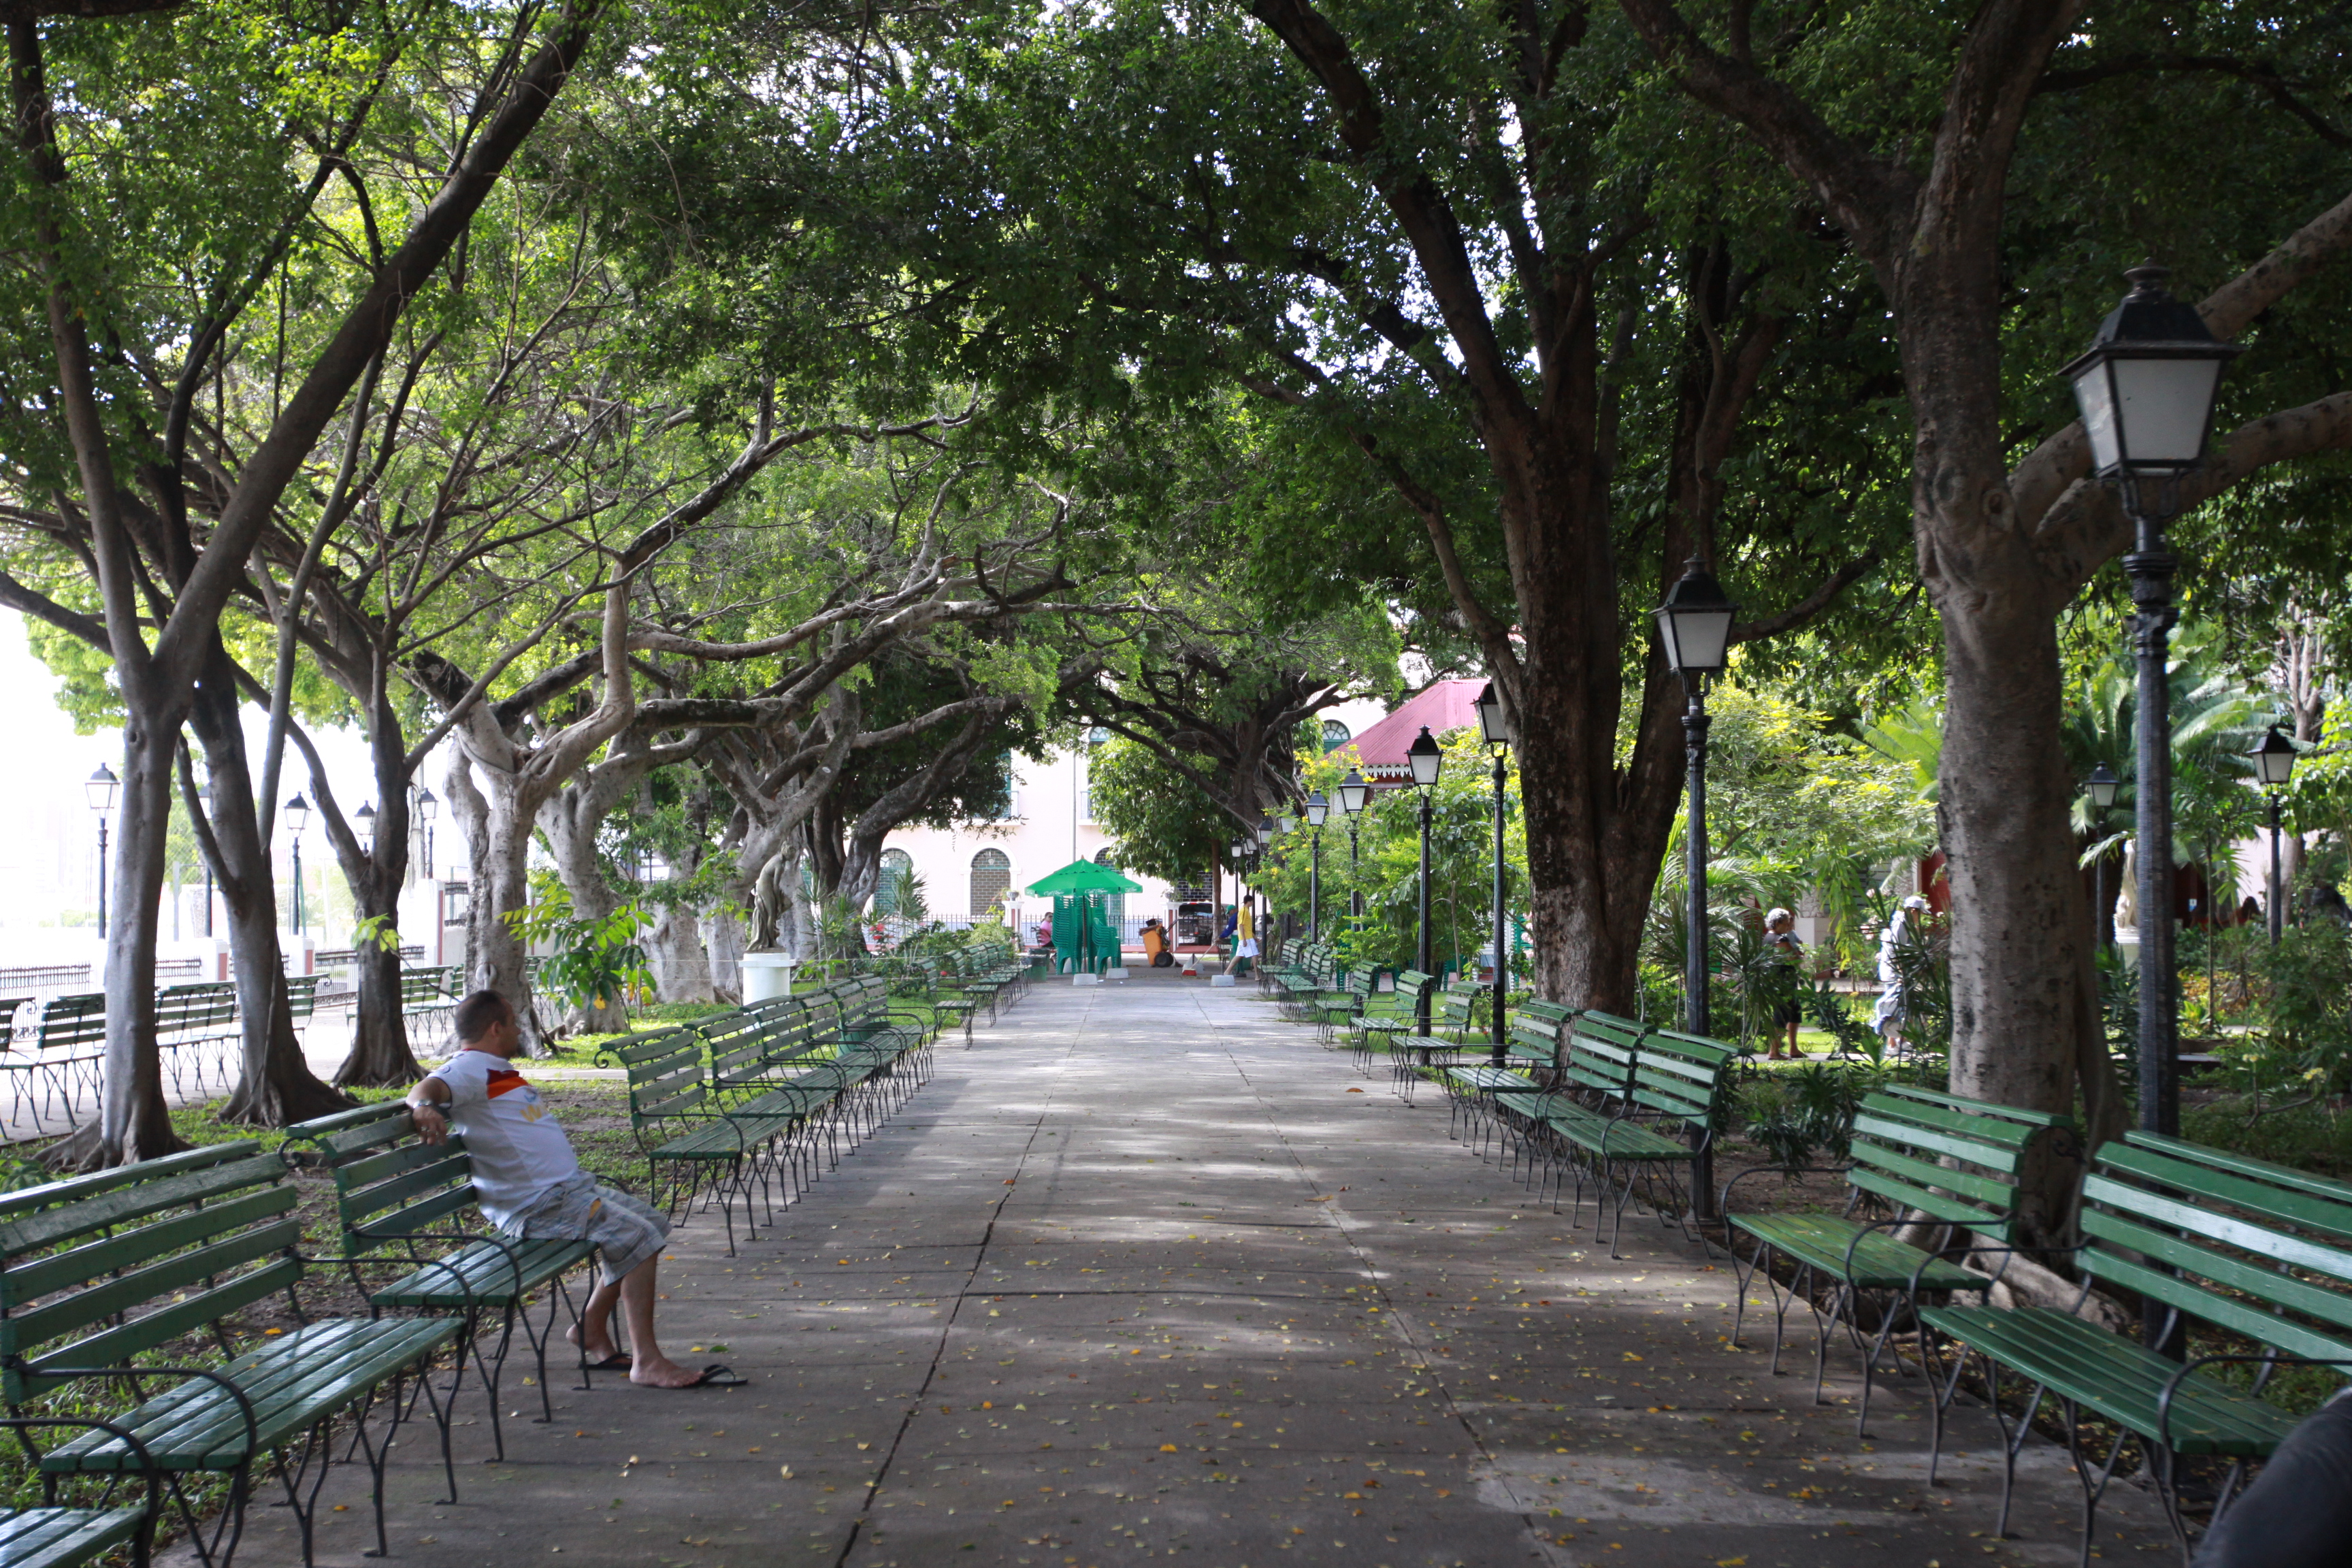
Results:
<point x="2127" y="946"/>
<point x="767" y="976"/>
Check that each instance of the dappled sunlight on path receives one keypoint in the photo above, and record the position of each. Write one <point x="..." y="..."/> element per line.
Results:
<point x="1146" y="1273"/>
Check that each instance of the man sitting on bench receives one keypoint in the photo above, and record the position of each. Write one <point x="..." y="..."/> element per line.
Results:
<point x="529" y="1184"/>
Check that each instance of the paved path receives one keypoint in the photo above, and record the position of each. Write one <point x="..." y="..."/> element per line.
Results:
<point x="1144" y="1273"/>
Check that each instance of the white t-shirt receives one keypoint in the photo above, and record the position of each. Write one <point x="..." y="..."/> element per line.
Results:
<point x="519" y="1150"/>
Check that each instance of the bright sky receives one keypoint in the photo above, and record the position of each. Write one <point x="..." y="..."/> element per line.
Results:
<point x="49" y="858"/>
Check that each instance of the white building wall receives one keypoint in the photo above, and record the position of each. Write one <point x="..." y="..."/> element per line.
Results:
<point x="1049" y="826"/>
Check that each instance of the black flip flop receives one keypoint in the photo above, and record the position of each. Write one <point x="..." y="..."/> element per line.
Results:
<point x="617" y="1361"/>
<point x="718" y="1376"/>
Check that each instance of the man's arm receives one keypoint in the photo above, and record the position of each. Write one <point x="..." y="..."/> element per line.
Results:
<point x="425" y="1103"/>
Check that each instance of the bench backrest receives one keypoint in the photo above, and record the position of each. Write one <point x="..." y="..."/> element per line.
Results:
<point x="1601" y="1048"/>
<point x="666" y="1078"/>
<point x="1677" y="1075"/>
<point x="388" y="1185"/>
<point x="194" y="1012"/>
<point x="77" y="1020"/>
<point x="302" y="996"/>
<point x="737" y="1042"/>
<point x="1534" y="1040"/>
<point x="196" y="1246"/>
<point x="74" y="1189"/>
<point x="1361" y="980"/>
<point x="1456" y="1007"/>
<point x="2251" y="1247"/>
<point x="1410" y="985"/>
<point x="1946" y="1156"/>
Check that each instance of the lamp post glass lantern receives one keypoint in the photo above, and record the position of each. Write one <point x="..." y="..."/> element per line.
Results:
<point x="100" y="788"/>
<point x="2273" y="760"/>
<point x="1355" y="797"/>
<point x="2101" y="788"/>
<point x="2146" y="388"/>
<point x="364" y="824"/>
<point x="1495" y="732"/>
<point x="1694" y="630"/>
<point x="1427" y="759"/>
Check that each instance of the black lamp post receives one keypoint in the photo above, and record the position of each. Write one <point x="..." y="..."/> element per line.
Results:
<point x="1355" y="794"/>
<point x="2273" y="762"/>
<point x="1317" y="808"/>
<point x="1427" y="759"/>
<point x="364" y="824"/>
<point x="297" y="817"/>
<point x="1695" y="627"/>
<point x="204" y="805"/>
<point x="1496" y="735"/>
<point x="2146" y="389"/>
<point x="2101" y="788"/>
<point x="100" y="788"/>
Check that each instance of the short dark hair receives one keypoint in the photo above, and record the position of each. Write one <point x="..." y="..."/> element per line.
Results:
<point x="478" y="1012"/>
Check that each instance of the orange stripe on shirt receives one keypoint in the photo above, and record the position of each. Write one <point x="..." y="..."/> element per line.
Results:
<point x="502" y="1080"/>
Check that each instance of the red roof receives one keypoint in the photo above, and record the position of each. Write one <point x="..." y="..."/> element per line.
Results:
<point x="1442" y="706"/>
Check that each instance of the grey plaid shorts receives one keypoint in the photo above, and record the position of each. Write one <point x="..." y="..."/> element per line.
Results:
<point x="625" y="1228"/>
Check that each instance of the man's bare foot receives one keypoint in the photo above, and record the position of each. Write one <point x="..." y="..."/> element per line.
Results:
<point x="660" y="1372"/>
<point x="597" y="1351"/>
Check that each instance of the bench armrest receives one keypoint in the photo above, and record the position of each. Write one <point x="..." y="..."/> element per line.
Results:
<point x="2172" y="1385"/>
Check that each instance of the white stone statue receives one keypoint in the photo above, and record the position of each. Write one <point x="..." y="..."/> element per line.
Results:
<point x="2128" y="896"/>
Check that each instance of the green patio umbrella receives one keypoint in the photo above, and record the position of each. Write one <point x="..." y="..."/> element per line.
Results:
<point x="1084" y="877"/>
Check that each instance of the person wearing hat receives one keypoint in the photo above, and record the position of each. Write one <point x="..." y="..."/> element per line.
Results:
<point x="1893" y="1003"/>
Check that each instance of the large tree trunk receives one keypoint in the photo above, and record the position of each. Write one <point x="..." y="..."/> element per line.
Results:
<point x="2025" y="1004"/>
<point x="673" y="952"/>
<point x="133" y="1122"/>
<point x="722" y="939"/>
<point x="276" y="1086"/>
<point x="498" y="840"/>
<point x="570" y="826"/>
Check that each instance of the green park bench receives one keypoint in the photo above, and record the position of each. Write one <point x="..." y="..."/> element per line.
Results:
<point x="428" y="998"/>
<point x="1388" y="1014"/>
<point x="1311" y="969"/>
<point x="196" y="1025"/>
<point x="1457" y="1028"/>
<point x="96" y="1273"/>
<point x="1631" y="1100"/>
<point x="2256" y="1250"/>
<point x="302" y="997"/>
<point x="1339" y="1007"/>
<point x="1941" y="1165"/>
<point x="690" y="1139"/>
<point x="869" y="1041"/>
<point x="398" y="1200"/>
<point x="69" y="1046"/>
<point x="1530" y="1061"/>
<point x="772" y="1059"/>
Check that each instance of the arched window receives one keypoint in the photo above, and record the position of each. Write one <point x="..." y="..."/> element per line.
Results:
<point x="1115" y="904"/>
<point x="992" y="879"/>
<point x="1335" y="734"/>
<point x="897" y="868"/>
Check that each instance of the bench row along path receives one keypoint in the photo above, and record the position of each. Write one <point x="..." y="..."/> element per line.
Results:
<point x="1145" y="1273"/>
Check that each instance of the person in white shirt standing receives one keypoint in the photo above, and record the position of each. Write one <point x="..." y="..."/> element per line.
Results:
<point x="529" y="1184"/>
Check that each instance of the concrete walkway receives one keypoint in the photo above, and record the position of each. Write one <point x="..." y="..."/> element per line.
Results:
<point x="1144" y="1273"/>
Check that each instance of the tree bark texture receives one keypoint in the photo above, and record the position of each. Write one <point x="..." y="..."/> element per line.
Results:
<point x="276" y="1086"/>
